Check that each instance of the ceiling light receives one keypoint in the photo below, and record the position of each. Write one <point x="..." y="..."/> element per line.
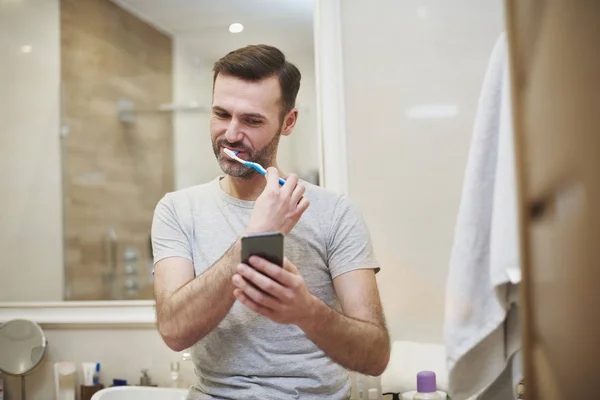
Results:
<point x="26" y="49"/>
<point x="236" y="28"/>
<point x="422" y="12"/>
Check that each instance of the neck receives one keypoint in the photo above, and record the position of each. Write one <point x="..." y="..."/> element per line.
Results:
<point x="246" y="189"/>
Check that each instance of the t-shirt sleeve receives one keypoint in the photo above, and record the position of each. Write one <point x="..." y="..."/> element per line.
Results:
<point x="350" y="245"/>
<point x="169" y="238"/>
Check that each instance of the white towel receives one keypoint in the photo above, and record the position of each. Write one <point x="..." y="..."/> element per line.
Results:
<point x="481" y="329"/>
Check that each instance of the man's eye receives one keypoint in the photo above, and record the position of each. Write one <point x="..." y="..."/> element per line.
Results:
<point x="221" y="114"/>
<point x="254" y="121"/>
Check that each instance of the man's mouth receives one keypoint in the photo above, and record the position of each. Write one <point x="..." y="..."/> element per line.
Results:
<point x="240" y="153"/>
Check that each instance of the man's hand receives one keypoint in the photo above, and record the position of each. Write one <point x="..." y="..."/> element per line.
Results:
<point x="284" y="297"/>
<point x="278" y="209"/>
<point x="281" y="295"/>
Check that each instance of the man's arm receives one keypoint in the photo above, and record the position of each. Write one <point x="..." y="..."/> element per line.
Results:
<point x="357" y="339"/>
<point x="187" y="309"/>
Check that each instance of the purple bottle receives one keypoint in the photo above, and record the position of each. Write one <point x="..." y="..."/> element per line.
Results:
<point x="426" y="386"/>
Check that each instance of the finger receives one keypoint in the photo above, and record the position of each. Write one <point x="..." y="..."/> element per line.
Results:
<point x="298" y="193"/>
<point x="303" y="205"/>
<point x="245" y="300"/>
<point x="291" y="183"/>
<point x="263" y="280"/>
<point x="288" y="266"/>
<point x="275" y="272"/>
<point x="273" y="178"/>
<point x="253" y="293"/>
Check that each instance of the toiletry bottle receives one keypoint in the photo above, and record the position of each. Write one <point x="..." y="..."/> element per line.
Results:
<point x="97" y="375"/>
<point x="373" y="394"/>
<point x="175" y="375"/>
<point x="426" y="387"/>
<point x="119" y="382"/>
<point x="361" y="389"/>
<point x="64" y="380"/>
<point x="91" y="373"/>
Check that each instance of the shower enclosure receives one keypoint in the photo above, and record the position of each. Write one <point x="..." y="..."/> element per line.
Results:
<point x="116" y="165"/>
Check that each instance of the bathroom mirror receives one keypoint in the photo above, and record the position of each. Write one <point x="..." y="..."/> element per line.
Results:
<point x="135" y="116"/>
<point x="391" y="127"/>
<point x="123" y="119"/>
<point x="22" y="348"/>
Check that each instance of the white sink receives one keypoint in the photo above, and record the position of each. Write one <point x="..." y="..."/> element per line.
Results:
<point x="140" y="393"/>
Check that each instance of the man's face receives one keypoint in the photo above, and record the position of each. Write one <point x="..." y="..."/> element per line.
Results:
<point x="246" y="117"/>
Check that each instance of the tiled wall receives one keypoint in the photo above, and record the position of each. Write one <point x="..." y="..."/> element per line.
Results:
<point x="114" y="173"/>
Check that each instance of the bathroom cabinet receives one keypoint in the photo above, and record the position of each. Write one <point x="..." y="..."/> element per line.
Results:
<point x="555" y="68"/>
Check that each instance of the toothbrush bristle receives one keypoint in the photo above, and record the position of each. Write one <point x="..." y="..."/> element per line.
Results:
<point x="233" y="155"/>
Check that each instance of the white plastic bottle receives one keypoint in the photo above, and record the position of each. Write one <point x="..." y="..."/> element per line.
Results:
<point x="361" y="387"/>
<point x="64" y="380"/>
<point x="426" y="386"/>
<point x="175" y="375"/>
<point x="373" y="394"/>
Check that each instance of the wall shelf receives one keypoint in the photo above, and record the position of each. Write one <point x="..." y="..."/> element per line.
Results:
<point x="69" y="314"/>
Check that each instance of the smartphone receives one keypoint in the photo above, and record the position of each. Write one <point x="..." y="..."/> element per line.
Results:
<point x="266" y="245"/>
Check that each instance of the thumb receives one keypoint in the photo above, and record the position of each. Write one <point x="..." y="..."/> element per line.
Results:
<point x="288" y="266"/>
<point x="272" y="177"/>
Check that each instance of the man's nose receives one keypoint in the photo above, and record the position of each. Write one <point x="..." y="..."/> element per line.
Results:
<point x="233" y="133"/>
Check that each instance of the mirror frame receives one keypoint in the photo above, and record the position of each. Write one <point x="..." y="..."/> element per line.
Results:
<point x="331" y="133"/>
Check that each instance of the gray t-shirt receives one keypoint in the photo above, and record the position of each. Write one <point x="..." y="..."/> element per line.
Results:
<point x="248" y="356"/>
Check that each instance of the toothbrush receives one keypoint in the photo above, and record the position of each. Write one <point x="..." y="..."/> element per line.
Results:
<point x="256" y="166"/>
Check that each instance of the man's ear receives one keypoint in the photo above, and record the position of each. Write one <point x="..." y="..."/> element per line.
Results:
<point x="289" y="122"/>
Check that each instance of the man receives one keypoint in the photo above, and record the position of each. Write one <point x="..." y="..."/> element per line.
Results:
<point x="314" y="319"/>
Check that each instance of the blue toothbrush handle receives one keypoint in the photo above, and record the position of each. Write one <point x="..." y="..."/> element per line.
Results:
<point x="263" y="171"/>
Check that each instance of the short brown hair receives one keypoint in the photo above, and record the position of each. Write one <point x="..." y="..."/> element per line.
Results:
<point x="257" y="62"/>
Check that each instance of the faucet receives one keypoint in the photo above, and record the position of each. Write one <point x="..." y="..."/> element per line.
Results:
<point x="145" y="378"/>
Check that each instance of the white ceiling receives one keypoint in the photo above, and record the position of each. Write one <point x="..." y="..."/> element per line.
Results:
<point x="203" y="24"/>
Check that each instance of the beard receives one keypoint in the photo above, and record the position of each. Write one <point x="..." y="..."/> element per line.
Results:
<point x="263" y="156"/>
